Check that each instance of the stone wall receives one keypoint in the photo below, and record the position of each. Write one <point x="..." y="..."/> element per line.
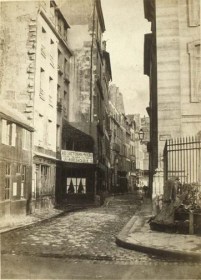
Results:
<point x="178" y="114"/>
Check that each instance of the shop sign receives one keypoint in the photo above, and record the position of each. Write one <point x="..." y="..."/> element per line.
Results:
<point x="76" y="157"/>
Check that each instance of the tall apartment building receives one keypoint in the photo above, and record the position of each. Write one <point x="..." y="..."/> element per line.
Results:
<point x="173" y="66"/>
<point x="34" y="47"/>
<point x="94" y="72"/>
<point x="121" y="161"/>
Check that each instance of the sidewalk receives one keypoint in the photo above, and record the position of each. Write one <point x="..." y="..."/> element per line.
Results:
<point x="137" y="235"/>
<point x="12" y="223"/>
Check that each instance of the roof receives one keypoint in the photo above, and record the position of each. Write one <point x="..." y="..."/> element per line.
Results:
<point x="59" y="12"/>
<point x="62" y="16"/>
<point x="14" y="116"/>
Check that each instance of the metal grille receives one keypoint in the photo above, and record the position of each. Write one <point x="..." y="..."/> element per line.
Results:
<point x="182" y="158"/>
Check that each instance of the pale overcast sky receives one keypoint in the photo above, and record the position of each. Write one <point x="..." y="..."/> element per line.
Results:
<point x="125" y="29"/>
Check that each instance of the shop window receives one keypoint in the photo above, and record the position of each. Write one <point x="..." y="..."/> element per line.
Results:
<point x="8" y="133"/>
<point x="7" y="181"/>
<point x="195" y="71"/>
<point x="76" y="186"/>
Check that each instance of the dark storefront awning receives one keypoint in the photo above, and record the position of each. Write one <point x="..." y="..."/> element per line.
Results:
<point x="75" y="139"/>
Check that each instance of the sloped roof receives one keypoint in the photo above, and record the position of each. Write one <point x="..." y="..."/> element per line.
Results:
<point x="15" y="116"/>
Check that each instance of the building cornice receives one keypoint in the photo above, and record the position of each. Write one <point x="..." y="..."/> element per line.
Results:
<point x="14" y="116"/>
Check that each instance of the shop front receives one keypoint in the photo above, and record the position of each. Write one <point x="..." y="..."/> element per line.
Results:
<point x="75" y="182"/>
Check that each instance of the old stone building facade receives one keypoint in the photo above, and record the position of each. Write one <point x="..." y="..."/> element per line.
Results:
<point x="94" y="74"/>
<point x="32" y="34"/>
<point x="123" y="144"/>
<point x="56" y="72"/>
<point x="173" y="66"/>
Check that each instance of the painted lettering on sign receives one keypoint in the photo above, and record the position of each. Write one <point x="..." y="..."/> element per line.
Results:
<point x="76" y="157"/>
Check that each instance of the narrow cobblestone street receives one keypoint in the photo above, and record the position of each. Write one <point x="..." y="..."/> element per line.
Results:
<point x="86" y="238"/>
<point x="88" y="234"/>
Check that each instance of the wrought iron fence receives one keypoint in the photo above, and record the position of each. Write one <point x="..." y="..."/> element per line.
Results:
<point x="182" y="158"/>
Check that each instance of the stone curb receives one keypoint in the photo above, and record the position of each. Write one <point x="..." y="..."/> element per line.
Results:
<point x="41" y="220"/>
<point x="162" y="252"/>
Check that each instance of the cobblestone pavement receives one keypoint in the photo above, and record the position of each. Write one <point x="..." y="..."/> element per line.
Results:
<point x="88" y="235"/>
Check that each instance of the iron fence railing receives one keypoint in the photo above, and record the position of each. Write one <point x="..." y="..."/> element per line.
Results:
<point x="182" y="158"/>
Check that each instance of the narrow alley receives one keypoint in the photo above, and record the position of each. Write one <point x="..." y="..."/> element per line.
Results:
<point x="85" y="238"/>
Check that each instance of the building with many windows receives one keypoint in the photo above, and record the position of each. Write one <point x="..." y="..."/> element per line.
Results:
<point x="34" y="37"/>
<point x="15" y="163"/>
<point x="123" y="157"/>
<point x="93" y="72"/>
<point x="139" y="140"/>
